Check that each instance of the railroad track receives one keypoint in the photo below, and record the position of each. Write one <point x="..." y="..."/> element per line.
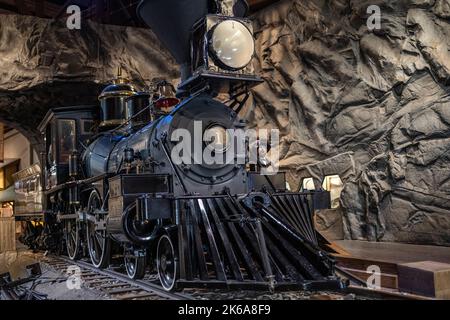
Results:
<point x="119" y="286"/>
<point x="114" y="284"/>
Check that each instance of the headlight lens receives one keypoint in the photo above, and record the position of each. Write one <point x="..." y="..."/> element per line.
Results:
<point x="233" y="44"/>
<point x="217" y="138"/>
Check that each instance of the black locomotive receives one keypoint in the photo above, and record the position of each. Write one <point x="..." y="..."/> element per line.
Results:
<point x="111" y="183"/>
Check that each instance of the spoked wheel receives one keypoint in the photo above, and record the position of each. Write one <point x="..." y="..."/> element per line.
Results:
<point x="99" y="245"/>
<point x="134" y="263"/>
<point x="72" y="237"/>
<point x="166" y="263"/>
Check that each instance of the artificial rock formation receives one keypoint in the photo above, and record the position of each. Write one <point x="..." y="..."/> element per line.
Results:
<point x="371" y="106"/>
<point x="43" y="64"/>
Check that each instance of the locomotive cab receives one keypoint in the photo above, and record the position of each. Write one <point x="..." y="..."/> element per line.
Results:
<point x="65" y="131"/>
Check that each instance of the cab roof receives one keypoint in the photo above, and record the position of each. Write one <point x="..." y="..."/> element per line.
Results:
<point x="63" y="110"/>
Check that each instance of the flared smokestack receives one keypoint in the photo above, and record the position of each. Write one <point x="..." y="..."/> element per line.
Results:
<point x="172" y="21"/>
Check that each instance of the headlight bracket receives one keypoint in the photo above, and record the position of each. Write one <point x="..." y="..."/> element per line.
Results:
<point x="207" y="69"/>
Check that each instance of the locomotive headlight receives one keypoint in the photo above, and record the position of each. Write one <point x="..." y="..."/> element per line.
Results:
<point x="232" y="44"/>
<point x="217" y="139"/>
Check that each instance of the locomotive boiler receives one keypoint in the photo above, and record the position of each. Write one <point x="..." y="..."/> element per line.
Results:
<point x="126" y="178"/>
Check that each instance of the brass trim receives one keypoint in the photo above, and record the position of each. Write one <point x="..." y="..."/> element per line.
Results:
<point x="125" y="93"/>
<point x="111" y="122"/>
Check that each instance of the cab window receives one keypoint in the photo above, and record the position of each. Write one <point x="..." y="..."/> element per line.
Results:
<point x="66" y="135"/>
<point x="32" y="185"/>
<point x="6" y="175"/>
<point x="86" y="126"/>
<point x="308" y="184"/>
<point x="49" y="146"/>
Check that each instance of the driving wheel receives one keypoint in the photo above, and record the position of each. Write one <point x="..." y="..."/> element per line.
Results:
<point x="99" y="244"/>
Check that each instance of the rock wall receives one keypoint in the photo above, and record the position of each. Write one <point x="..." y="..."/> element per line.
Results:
<point x="376" y="104"/>
<point x="43" y="64"/>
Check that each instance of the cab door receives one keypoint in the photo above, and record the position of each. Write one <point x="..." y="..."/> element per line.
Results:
<point x="50" y="156"/>
<point x="60" y="144"/>
<point x="66" y="144"/>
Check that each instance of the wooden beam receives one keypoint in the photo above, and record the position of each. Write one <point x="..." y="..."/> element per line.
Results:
<point x="2" y="142"/>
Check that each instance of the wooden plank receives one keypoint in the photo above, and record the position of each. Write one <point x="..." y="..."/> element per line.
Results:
<point x="385" y="294"/>
<point x="2" y="142"/>
<point x="7" y="234"/>
<point x="337" y="248"/>
<point x="125" y="290"/>
<point x="387" y="280"/>
<point x="428" y="278"/>
<point x="395" y="252"/>
<point x="363" y="264"/>
<point x="136" y="296"/>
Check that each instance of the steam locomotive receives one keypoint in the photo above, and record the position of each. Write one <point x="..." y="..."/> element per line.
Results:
<point x="112" y="186"/>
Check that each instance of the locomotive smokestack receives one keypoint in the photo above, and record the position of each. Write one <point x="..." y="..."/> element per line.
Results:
<point x="172" y="21"/>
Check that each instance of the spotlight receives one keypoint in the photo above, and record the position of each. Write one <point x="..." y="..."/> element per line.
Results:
<point x="231" y="44"/>
<point x="222" y="49"/>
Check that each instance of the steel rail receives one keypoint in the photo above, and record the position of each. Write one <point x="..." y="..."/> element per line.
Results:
<point x="139" y="284"/>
